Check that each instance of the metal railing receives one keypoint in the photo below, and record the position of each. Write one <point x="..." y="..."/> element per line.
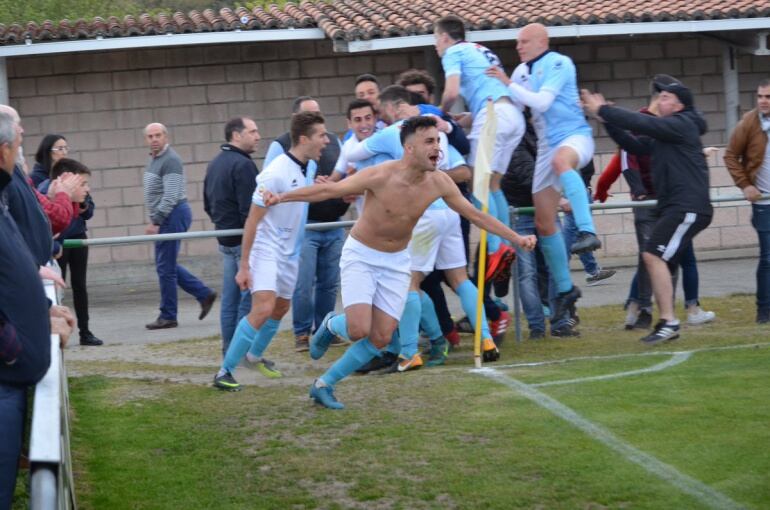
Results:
<point x="51" y="481"/>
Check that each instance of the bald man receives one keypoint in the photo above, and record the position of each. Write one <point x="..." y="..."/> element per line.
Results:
<point x="166" y="201"/>
<point x="546" y="82"/>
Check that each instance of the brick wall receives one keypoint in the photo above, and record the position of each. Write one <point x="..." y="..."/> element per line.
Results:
<point x="101" y="102"/>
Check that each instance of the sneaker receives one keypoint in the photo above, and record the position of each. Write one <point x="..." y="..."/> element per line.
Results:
<point x="499" y="327"/>
<point x="387" y="360"/>
<point x="601" y="274"/>
<point x="324" y="395"/>
<point x="565" y="331"/>
<point x="663" y="332"/>
<point x="700" y="317"/>
<point x="453" y="337"/>
<point x="763" y="316"/>
<point x="632" y="315"/>
<point x="302" y="343"/>
<point x="226" y="382"/>
<point x="264" y="366"/>
<point x="463" y="326"/>
<point x="490" y="352"/>
<point x="322" y="338"/>
<point x="406" y="364"/>
<point x="585" y="242"/>
<point x="644" y="321"/>
<point x="574" y="318"/>
<point x="564" y="301"/>
<point x="499" y="263"/>
<point x="438" y="352"/>
<point x="536" y="334"/>
<point x="161" y="323"/>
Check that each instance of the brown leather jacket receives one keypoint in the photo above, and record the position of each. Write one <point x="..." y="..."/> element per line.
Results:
<point x="746" y="151"/>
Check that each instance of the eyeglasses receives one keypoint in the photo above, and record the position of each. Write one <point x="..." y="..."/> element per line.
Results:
<point x="63" y="148"/>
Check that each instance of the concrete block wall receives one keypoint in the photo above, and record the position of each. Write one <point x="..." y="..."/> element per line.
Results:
<point x="101" y="101"/>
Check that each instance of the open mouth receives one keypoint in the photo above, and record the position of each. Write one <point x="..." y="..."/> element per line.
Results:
<point x="433" y="159"/>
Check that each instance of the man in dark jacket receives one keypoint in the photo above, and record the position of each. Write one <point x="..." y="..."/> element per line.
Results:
<point x="680" y="177"/>
<point x="24" y="306"/>
<point x="230" y="181"/>
<point x="316" y="292"/>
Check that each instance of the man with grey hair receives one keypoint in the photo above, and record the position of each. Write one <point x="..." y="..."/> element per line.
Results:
<point x="169" y="212"/>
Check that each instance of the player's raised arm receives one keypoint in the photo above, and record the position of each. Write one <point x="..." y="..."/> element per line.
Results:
<point x="355" y="184"/>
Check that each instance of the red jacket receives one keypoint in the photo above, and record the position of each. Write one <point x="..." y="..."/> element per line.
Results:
<point x="60" y="210"/>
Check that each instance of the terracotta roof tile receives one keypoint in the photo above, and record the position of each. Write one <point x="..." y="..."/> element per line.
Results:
<point x="367" y="19"/>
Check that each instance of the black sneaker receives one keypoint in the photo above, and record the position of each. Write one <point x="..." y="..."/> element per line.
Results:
<point x="464" y="325"/>
<point x="585" y="242"/>
<point x="601" y="274"/>
<point x="565" y="331"/>
<point x="644" y="320"/>
<point x="378" y="363"/>
<point x="763" y="316"/>
<point x="88" y="338"/>
<point x="663" y="332"/>
<point x="565" y="301"/>
<point x="536" y="334"/>
<point x="226" y="382"/>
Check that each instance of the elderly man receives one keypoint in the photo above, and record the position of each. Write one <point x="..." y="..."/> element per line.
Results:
<point x="230" y="181"/>
<point x="169" y="212"/>
<point x="748" y="161"/>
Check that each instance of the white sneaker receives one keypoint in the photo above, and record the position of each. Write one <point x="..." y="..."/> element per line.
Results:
<point x="700" y="317"/>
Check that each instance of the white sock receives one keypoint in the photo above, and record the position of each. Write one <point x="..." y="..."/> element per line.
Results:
<point x="221" y="372"/>
<point x="251" y="357"/>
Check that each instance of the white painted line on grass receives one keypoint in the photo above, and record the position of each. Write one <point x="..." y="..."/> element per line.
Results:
<point x="630" y="355"/>
<point x="676" y="359"/>
<point x="702" y="492"/>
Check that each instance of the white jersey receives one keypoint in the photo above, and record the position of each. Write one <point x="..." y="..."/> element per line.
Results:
<point x="281" y="230"/>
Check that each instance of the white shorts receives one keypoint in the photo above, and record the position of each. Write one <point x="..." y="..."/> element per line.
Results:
<point x="374" y="277"/>
<point x="437" y="241"/>
<point x="544" y="175"/>
<point x="510" y="129"/>
<point x="269" y="271"/>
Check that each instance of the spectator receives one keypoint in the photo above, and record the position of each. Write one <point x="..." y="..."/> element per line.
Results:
<point x="367" y="87"/>
<point x="318" y="279"/>
<point x="166" y="201"/>
<point x="680" y="178"/>
<point x="76" y="258"/>
<point x="749" y="165"/>
<point x="25" y="336"/>
<point x="52" y="148"/>
<point x="227" y="189"/>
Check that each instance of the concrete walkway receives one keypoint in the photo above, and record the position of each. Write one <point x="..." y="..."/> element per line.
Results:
<point x="119" y="312"/>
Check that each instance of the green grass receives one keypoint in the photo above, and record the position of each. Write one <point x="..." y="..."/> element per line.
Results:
<point x="439" y="438"/>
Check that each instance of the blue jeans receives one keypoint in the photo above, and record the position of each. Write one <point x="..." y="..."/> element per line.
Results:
<point x="318" y="279"/>
<point x="235" y="303"/>
<point x="760" y="219"/>
<point x="689" y="266"/>
<point x="171" y="274"/>
<point x="13" y="410"/>
<point x="529" y="291"/>
<point x="570" y="231"/>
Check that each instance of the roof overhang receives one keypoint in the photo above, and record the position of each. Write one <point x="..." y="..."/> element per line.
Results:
<point x="157" y="41"/>
<point x="598" y="30"/>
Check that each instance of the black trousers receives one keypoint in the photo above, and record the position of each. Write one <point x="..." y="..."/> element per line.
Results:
<point x="77" y="260"/>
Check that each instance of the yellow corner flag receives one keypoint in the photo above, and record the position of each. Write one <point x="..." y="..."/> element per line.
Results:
<point x="482" y="170"/>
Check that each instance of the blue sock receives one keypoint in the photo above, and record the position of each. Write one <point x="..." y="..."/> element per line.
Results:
<point x="339" y="326"/>
<point x="394" y="347"/>
<point x="469" y="294"/>
<point x="501" y="207"/>
<point x="409" y="325"/>
<point x="575" y="191"/>
<point x="428" y="318"/>
<point x="265" y="335"/>
<point x="555" y="254"/>
<point x="493" y="241"/>
<point x="357" y="355"/>
<point x="239" y="345"/>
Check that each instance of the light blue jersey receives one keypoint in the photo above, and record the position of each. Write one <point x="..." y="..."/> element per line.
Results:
<point x="386" y="146"/>
<point x="555" y="73"/>
<point x="470" y="60"/>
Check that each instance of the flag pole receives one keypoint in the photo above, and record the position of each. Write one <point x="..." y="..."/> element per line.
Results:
<point x="481" y="274"/>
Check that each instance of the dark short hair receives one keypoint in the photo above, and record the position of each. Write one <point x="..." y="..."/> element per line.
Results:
<point x="295" y="106"/>
<point x="414" y="124"/>
<point x="366" y="77"/>
<point x="359" y="103"/>
<point x="65" y="165"/>
<point x="764" y="83"/>
<point x="395" y="94"/>
<point x="453" y="26"/>
<point x="302" y="124"/>
<point x="234" y="125"/>
<point x="417" y="77"/>
<point x="43" y="154"/>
